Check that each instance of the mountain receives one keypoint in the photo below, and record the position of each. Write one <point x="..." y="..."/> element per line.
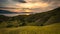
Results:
<point x="12" y="21"/>
<point x="3" y="18"/>
<point x="6" y="12"/>
<point x="45" y="18"/>
<point x="38" y="19"/>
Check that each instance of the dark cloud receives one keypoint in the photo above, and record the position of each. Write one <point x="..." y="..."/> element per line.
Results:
<point x="2" y="3"/>
<point x="21" y="1"/>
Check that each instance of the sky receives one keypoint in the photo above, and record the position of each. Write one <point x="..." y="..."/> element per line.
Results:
<point x="35" y="6"/>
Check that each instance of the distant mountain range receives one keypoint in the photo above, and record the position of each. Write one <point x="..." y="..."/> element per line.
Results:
<point x="6" y="12"/>
<point x="9" y="12"/>
<point x="39" y="19"/>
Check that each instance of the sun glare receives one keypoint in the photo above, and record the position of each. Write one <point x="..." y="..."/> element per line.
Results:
<point x="27" y="14"/>
<point x="27" y="10"/>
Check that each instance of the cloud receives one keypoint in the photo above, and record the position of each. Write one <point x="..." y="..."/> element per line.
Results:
<point x="13" y="3"/>
<point x="42" y="5"/>
<point x="33" y="5"/>
<point x="4" y="3"/>
<point x="53" y="2"/>
<point x="10" y="15"/>
<point x="21" y="1"/>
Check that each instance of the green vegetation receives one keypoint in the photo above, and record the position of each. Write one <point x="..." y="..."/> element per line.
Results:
<point x="49" y="29"/>
<point x="40" y="23"/>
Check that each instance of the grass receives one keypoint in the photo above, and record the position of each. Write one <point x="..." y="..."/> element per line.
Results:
<point x="49" y="29"/>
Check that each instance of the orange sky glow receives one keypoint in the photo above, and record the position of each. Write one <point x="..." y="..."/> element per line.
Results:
<point x="27" y="5"/>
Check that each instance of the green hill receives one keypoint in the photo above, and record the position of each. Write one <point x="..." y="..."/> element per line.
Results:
<point x="39" y="19"/>
<point x="45" y="18"/>
<point x="40" y="23"/>
<point x="50" y="29"/>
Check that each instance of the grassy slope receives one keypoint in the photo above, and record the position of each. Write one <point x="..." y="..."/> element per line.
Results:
<point x="50" y="29"/>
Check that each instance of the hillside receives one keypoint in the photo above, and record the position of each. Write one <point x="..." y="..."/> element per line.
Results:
<point x="12" y="21"/>
<point x="39" y="19"/>
<point x="50" y="29"/>
<point x="45" y="18"/>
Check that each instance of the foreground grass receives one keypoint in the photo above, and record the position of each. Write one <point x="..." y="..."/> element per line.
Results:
<point x="49" y="29"/>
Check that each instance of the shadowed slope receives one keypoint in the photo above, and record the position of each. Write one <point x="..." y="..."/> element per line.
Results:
<point x="44" y="18"/>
